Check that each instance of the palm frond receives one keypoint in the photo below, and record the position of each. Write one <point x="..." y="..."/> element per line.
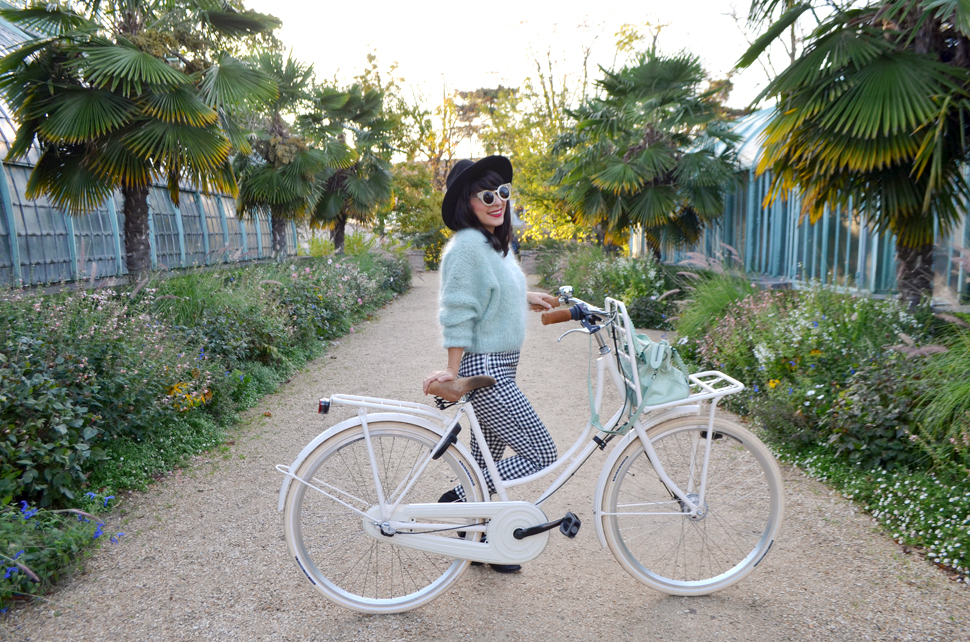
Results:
<point x="76" y="114"/>
<point x="179" y="104"/>
<point x="771" y="34"/>
<point x="235" y="23"/>
<point x="232" y="82"/>
<point x="126" y="69"/>
<point x="49" y="19"/>
<point x="65" y="177"/>
<point x="200" y="149"/>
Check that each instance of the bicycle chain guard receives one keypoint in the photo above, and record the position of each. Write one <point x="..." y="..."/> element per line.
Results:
<point x="414" y="526"/>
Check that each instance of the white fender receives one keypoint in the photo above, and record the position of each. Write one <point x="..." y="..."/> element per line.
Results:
<point x="671" y="413"/>
<point x="374" y="418"/>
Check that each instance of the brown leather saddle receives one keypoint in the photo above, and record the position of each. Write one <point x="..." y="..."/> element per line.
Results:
<point x="457" y="388"/>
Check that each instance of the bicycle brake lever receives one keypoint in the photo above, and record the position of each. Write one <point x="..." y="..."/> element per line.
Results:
<point x="583" y="330"/>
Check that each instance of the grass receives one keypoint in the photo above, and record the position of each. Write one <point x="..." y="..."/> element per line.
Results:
<point x="709" y="300"/>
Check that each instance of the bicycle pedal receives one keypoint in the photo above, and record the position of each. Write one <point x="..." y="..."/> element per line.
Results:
<point x="570" y="525"/>
<point x="447" y="441"/>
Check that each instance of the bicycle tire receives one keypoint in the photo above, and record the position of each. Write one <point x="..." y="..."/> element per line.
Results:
<point x="673" y="553"/>
<point x="328" y="541"/>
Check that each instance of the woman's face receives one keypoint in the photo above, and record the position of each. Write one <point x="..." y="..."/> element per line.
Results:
<point x="490" y="216"/>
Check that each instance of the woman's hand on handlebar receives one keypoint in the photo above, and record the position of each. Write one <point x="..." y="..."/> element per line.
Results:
<point x="540" y="301"/>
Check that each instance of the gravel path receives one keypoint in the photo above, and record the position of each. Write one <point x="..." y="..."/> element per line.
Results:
<point x="205" y="559"/>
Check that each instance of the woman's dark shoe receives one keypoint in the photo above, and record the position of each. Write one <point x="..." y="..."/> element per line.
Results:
<point x="506" y="568"/>
<point x="449" y="497"/>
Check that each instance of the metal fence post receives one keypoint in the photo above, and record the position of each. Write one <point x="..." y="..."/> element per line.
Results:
<point x="71" y="245"/>
<point x="259" y="236"/>
<point x="116" y="234"/>
<point x="205" y="229"/>
<point x="244" y="237"/>
<point x="12" y="236"/>
<point x="824" y="271"/>
<point x="748" y="222"/>
<point x="181" y="231"/>
<point x="225" y="227"/>
<point x="152" y="241"/>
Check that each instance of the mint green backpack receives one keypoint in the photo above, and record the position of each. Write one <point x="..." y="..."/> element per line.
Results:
<point x="662" y="374"/>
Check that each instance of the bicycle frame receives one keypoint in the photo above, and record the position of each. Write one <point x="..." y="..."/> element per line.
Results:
<point x="708" y="385"/>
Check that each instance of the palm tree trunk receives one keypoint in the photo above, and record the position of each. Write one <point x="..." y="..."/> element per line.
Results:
<point x="279" y="235"/>
<point x="138" y="252"/>
<point x="914" y="274"/>
<point x="338" y="232"/>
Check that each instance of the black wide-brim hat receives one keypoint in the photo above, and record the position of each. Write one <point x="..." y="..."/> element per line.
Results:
<point x="463" y="173"/>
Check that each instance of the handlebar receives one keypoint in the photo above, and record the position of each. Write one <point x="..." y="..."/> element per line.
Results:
<point x="561" y="316"/>
<point x="589" y="316"/>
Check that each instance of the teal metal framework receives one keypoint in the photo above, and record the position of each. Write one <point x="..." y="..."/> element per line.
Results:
<point x="40" y="244"/>
<point x="839" y="249"/>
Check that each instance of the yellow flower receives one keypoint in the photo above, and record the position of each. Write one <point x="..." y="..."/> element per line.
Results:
<point x="773" y="383"/>
<point x="815" y="352"/>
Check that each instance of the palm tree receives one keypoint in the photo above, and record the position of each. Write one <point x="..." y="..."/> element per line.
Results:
<point x="285" y="173"/>
<point x="357" y="191"/>
<point x="876" y="109"/>
<point x="120" y="93"/>
<point x="650" y="152"/>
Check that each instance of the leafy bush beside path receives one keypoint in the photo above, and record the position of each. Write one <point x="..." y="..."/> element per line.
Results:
<point x="105" y="390"/>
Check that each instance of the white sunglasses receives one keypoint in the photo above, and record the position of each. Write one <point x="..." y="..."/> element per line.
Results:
<point x="502" y="193"/>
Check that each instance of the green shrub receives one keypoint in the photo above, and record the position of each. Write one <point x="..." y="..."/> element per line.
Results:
<point x="945" y="415"/>
<point x="814" y="336"/>
<point x="103" y="391"/>
<point x="594" y="275"/>
<point x="357" y="243"/>
<point x="77" y="370"/>
<point x="132" y="463"/>
<point x="40" y="547"/>
<point x="318" y="247"/>
<point x="917" y="508"/>
<point x="783" y="415"/>
<point x="873" y="421"/>
<point x="708" y="300"/>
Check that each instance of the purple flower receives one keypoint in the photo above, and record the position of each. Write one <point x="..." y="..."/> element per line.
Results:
<point x="116" y="537"/>
<point x="10" y="571"/>
<point x="99" y="531"/>
<point x="108" y="498"/>
<point x="91" y="495"/>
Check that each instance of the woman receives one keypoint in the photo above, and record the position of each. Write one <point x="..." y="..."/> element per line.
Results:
<point x="483" y="299"/>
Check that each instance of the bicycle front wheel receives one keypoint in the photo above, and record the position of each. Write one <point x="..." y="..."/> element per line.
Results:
<point x="327" y="539"/>
<point x="649" y="529"/>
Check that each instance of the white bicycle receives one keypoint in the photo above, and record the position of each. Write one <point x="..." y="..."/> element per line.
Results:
<point x="688" y="502"/>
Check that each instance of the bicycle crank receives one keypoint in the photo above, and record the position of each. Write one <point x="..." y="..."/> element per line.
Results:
<point x="433" y="528"/>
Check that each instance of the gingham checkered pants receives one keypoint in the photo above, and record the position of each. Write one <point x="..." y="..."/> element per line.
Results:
<point x="507" y="419"/>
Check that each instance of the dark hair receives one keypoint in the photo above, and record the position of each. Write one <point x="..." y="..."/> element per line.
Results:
<point x="465" y="217"/>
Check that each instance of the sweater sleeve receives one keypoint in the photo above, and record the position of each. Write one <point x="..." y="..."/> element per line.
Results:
<point x="463" y="294"/>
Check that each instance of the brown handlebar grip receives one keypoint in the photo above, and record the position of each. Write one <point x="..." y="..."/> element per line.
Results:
<point x="557" y="316"/>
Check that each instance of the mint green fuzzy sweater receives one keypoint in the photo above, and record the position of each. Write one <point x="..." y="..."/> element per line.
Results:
<point x="482" y="301"/>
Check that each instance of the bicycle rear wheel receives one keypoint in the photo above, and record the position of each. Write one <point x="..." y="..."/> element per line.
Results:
<point x="648" y="529"/>
<point x="328" y="541"/>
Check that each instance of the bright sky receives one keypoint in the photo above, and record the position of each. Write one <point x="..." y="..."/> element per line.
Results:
<point x="484" y="44"/>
